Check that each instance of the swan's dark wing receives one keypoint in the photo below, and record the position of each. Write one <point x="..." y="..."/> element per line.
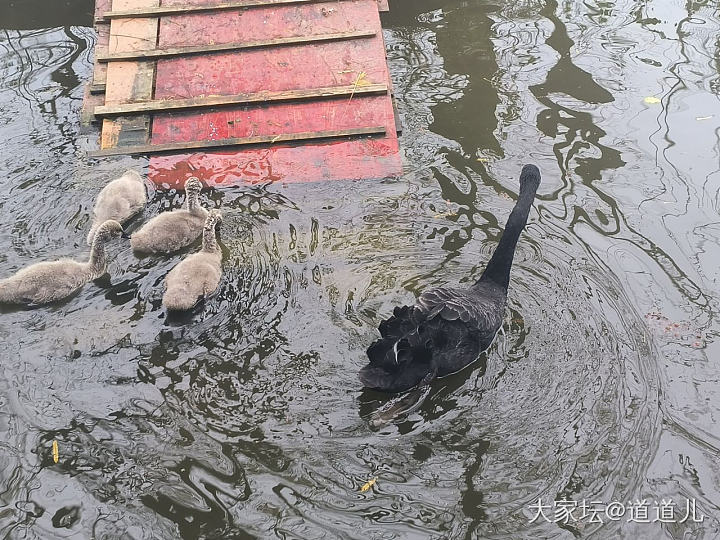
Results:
<point x="481" y="309"/>
<point x="399" y="359"/>
<point x="443" y="332"/>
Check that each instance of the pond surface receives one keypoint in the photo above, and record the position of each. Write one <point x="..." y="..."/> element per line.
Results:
<point x="247" y="421"/>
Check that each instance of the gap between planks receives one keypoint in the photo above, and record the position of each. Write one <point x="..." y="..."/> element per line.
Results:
<point x="243" y="141"/>
<point x="166" y="105"/>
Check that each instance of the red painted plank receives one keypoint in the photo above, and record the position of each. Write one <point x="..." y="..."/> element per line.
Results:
<point x="295" y="67"/>
<point x="288" y="68"/>
<point x="326" y="115"/>
<point x="265" y="22"/>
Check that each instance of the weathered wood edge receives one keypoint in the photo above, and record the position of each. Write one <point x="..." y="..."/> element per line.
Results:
<point x="243" y="141"/>
<point x="167" y="105"/>
<point x="225" y="47"/>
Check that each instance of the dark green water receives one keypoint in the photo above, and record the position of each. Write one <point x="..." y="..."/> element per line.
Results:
<point x="248" y="420"/>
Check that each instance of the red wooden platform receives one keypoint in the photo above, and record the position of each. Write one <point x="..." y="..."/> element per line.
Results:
<point x="341" y="52"/>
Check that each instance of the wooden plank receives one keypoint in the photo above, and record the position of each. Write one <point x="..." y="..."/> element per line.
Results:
<point x="243" y="141"/>
<point x="91" y="98"/>
<point x="225" y="47"/>
<point x="97" y="88"/>
<point x="102" y="29"/>
<point x="347" y="63"/>
<point x="101" y="48"/>
<point x="198" y="8"/>
<point x="129" y="81"/>
<point x="90" y="101"/>
<point x="165" y="105"/>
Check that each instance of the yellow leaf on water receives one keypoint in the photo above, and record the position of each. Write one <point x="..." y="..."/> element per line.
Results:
<point x="651" y="100"/>
<point x="55" y="451"/>
<point x="367" y="485"/>
<point x="483" y="159"/>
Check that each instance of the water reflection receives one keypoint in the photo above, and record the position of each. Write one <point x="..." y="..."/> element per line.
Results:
<point x="246" y="420"/>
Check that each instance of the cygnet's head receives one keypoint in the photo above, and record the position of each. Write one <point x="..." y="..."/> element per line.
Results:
<point x="214" y="219"/>
<point x="108" y="230"/>
<point x="193" y="186"/>
<point x="133" y="175"/>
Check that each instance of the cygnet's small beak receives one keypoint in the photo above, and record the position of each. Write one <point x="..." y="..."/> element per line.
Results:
<point x="125" y="235"/>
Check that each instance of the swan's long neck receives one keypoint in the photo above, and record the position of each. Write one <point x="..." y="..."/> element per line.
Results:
<point x="98" y="258"/>
<point x="498" y="269"/>
<point x="193" y="201"/>
<point x="209" y="243"/>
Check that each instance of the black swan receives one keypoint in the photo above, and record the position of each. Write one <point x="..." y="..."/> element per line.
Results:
<point x="448" y="328"/>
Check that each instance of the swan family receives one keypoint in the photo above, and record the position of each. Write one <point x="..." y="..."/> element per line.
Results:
<point x="445" y="330"/>
<point x="191" y="281"/>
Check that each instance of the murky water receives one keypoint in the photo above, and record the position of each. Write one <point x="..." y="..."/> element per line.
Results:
<point x="248" y="421"/>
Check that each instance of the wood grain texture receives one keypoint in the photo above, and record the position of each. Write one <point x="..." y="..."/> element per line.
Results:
<point x="343" y="63"/>
<point x="129" y="81"/>
<point x="285" y="137"/>
<point x="91" y="98"/>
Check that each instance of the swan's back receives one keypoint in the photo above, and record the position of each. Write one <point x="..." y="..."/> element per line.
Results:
<point x="195" y="277"/>
<point x="169" y="231"/>
<point x="443" y="332"/>
<point x="119" y="200"/>
<point x="199" y="274"/>
<point x="44" y="282"/>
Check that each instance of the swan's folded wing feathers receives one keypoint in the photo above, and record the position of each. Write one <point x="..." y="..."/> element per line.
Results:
<point x="482" y="311"/>
<point x="405" y="319"/>
<point x="450" y="304"/>
<point x="394" y="326"/>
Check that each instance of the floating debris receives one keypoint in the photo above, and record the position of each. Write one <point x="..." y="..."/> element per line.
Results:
<point x="681" y="332"/>
<point x="651" y="100"/>
<point x="699" y="118"/>
<point x="367" y="485"/>
<point x="55" y="452"/>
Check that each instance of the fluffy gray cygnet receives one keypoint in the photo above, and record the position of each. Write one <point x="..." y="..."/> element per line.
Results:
<point x="197" y="275"/>
<point x="171" y="231"/>
<point x="46" y="282"/>
<point x="119" y="200"/>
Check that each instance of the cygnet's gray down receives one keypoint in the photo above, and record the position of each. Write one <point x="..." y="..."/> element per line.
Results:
<point x="171" y="231"/>
<point x="119" y="200"/>
<point x="197" y="275"/>
<point x="46" y="282"/>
